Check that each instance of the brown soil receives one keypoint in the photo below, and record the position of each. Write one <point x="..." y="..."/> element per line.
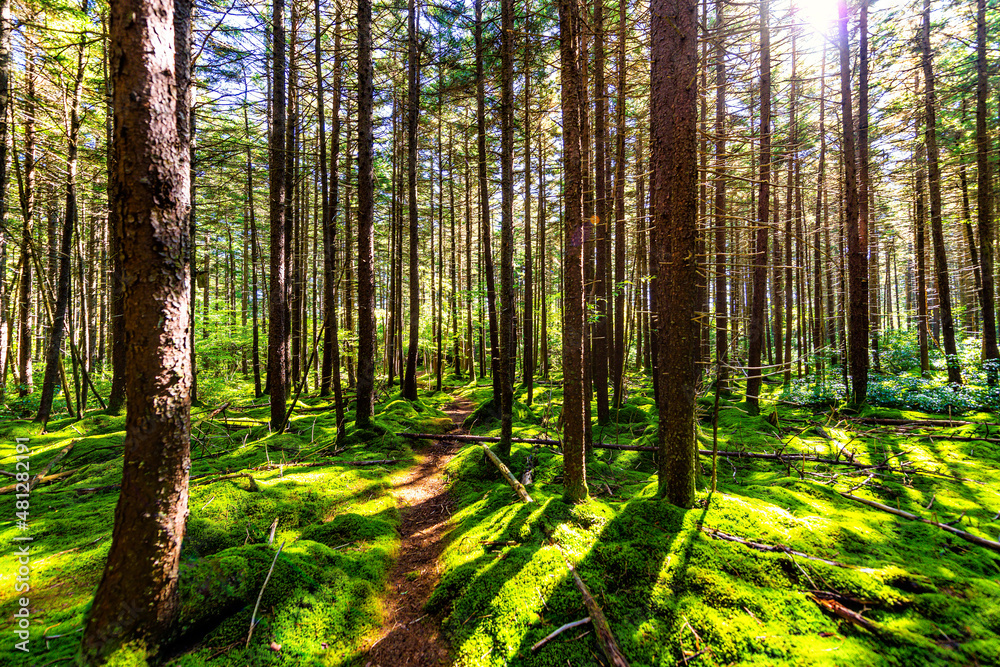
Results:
<point x="409" y="635"/>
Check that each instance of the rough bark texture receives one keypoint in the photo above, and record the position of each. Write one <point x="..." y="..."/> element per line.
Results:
<point x="412" y="115"/>
<point x="366" y="221"/>
<point x="757" y="325"/>
<point x="507" y="343"/>
<point x="674" y="96"/>
<point x="137" y="596"/>
<point x="721" y="286"/>
<point x="984" y="198"/>
<point x="277" y="332"/>
<point x="934" y="181"/>
<point x="575" y="474"/>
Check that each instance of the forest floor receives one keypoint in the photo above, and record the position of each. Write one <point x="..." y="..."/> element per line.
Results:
<point x="409" y="635"/>
<point x="394" y="550"/>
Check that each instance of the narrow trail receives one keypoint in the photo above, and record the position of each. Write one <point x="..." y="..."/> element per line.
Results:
<point x="409" y="635"/>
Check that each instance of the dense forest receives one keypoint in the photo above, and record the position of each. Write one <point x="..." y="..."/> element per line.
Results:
<point x="520" y="333"/>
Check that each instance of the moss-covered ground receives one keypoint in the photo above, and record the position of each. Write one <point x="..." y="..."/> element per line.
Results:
<point x="337" y="523"/>
<point x="673" y="593"/>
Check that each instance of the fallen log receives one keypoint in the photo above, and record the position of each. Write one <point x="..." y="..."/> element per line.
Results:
<point x="969" y="537"/>
<point x="476" y="438"/>
<point x="10" y="488"/>
<point x="519" y="489"/>
<point x="56" y="459"/>
<point x="771" y="548"/>
<point x="945" y="423"/>
<point x="555" y="633"/>
<point x="602" y="629"/>
<point x="253" y="482"/>
<point x="837" y="609"/>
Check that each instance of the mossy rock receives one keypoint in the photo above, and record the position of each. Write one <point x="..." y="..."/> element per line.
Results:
<point x="434" y="425"/>
<point x="486" y="413"/>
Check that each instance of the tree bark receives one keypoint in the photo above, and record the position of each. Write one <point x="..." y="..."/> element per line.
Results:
<point x="674" y="161"/>
<point x="366" y="221"/>
<point x="412" y="116"/>
<point x="574" y="326"/>
<point x="137" y="597"/>
<point x="277" y="334"/>
<point x="757" y="324"/>
<point x="506" y="225"/>
<point x="984" y="203"/>
<point x="934" y="180"/>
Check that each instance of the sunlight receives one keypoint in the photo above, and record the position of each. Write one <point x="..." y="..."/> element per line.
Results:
<point x="821" y="15"/>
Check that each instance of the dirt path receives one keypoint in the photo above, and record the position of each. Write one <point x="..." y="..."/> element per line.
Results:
<point x="409" y="635"/>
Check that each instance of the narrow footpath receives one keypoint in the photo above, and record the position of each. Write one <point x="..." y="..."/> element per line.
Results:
<point x="409" y="635"/>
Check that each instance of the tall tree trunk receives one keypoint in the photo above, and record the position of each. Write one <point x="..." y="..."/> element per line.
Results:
<point x="919" y="234"/>
<point x="599" y="340"/>
<point x="984" y="203"/>
<point x="24" y="371"/>
<point x="721" y="259"/>
<point x="618" y="366"/>
<point x="574" y="326"/>
<point x="856" y="228"/>
<point x="413" y="110"/>
<point x="757" y="324"/>
<point x="116" y="294"/>
<point x="507" y="340"/>
<point x="277" y="334"/>
<point x="934" y="179"/>
<point x="674" y="161"/>
<point x="53" y="356"/>
<point x="486" y="229"/>
<point x="529" y="287"/>
<point x="137" y="598"/>
<point x="255" y="354"/>
<point x="366" y="221"/>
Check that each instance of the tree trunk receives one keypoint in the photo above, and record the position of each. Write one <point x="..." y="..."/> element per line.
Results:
<point x="674" y="161"/>
<point x="574" y="326"/>
<point x="757" y="325"/>
<point x="413" y="110"/>
<point x="366" y="221"/>
<point x="53" y="356"/>
<point x="277" y="335"/>
<point x="984" y="203"/>
<point x="137" y="597"/>
<point x="856" y="228"/>
<point x="506" y="225"/>
<point x="618" y="365"/>
<point x="934" y="179"/>
<point x="599" y="339"/>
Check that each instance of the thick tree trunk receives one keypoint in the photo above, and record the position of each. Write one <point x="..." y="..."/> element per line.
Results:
<point x="674" y="161"/>
<point x="137" y="596"/>
<point x="574" y="326"/>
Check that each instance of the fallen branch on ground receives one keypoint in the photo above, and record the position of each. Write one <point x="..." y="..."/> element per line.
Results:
<point x="772" y="548"/>
<point x="557" y="632"/>
<point x="969" y="537"/>
<point x="837" y="609"/>
<point x="605" y="637"/>
<point x="519" y="489"/>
